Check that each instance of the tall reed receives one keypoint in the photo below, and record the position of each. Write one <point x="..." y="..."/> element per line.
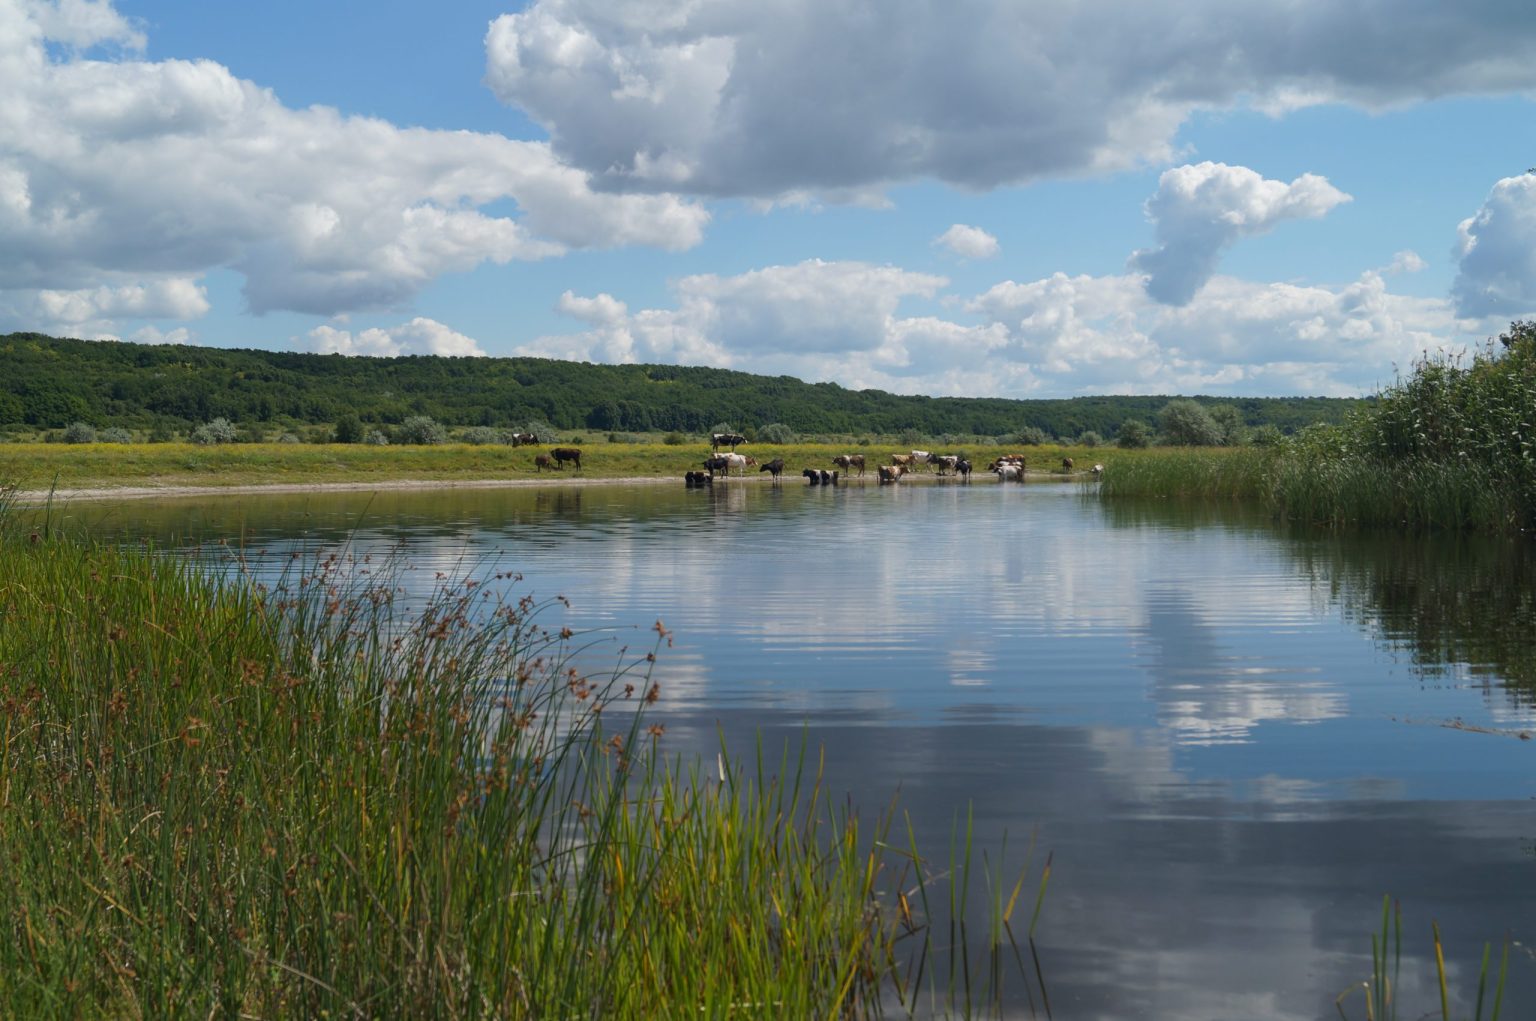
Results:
<point x="220" y="799"/>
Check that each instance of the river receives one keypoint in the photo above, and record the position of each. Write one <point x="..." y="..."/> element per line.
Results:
<point x="1234" y="738"/>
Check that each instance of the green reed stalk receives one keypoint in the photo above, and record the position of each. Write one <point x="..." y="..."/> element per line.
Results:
<point x="224" y="799"/>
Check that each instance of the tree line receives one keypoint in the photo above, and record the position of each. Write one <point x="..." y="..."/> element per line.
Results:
<point x="162" y="391"/>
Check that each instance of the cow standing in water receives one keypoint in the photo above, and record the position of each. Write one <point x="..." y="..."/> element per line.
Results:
<point x="776" y="466"/>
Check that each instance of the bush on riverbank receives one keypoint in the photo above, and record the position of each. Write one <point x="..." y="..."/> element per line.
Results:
<point x="305" y="802"/>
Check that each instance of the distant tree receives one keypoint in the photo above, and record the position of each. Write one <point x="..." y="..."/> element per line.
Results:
<point x="776" y="432"/>
<point x="1090" y="439"/>
<point x="1521" y="332"/>
<point x="1230" y="422"/>
<point x="1133" y="434"/>
<point x="376" y="438"/>
<point x="421" y="430"/>
<point x="1032" y="436"/>
<point x="1185" y="423"/>
<point x="115" y="434"/>
<point x="674" y="439"/>
<point x="220" y="430"/>
<point x="349" y="429"/>
<point x="288" y="438"/>
<point x="1266" y="436"/>
<point x="79" y="432"/>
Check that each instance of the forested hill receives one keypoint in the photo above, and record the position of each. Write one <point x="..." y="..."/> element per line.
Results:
<point x="48" y="383"/>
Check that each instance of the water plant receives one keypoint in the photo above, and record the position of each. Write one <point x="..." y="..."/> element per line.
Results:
<point x="296" y="792"/>
<point x="1381" y="991"/>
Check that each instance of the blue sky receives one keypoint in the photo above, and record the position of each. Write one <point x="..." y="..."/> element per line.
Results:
<point x="975" y="198"/>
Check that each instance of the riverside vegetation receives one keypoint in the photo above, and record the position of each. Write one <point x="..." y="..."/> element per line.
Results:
<point x="1452" y="446"/>
<point x="219" y="798"/>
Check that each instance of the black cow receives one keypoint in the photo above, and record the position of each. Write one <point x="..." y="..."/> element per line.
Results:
<point x="524" y="439"/>
<point x="564" y="454"/>
<point x="717" y="464"/>
<point x="776" y="466"/>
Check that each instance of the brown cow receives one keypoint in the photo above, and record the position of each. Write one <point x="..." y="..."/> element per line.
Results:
<point x="848" y="462"/>
<point x="542" y="461"/>
<point x="564" y="454"/>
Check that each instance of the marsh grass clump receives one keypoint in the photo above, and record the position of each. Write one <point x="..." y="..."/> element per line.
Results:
<point x="301" y="798"/>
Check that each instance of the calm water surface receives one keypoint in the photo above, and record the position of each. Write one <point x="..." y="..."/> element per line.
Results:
<point x="1234" y="739"/>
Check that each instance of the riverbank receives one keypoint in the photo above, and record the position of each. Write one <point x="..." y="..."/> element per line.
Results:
<point x="100" y="471"/>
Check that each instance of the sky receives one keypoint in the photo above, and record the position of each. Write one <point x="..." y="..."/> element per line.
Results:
<point x="967" y="197"/>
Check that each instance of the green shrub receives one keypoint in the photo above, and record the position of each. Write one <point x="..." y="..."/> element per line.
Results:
<point x="349" y="429"/>
<point x="115" y="434"/>
<point x="776" y="432"/>
<point x="480" y="435"/>
<point x="79" y="432"/>
<point x="1133" y="434"/>
<point x="1032" y="436"/>
<point x="220" y="430"/>
<point x="421" y="430"/>
<point x="674" y="439"/>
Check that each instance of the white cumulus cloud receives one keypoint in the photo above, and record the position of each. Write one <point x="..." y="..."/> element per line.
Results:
<point x="1497" y="250"/>
<point x="767" y="97"/>
<point x="1056" y="336"/>
<point x="968" y="242"/>
<point x="115" y="170"/>
<point x="420" y="336"/>
<point x="1201" y="209"/>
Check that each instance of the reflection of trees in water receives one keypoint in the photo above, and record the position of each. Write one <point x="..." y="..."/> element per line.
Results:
<point x="1443" y="599"/>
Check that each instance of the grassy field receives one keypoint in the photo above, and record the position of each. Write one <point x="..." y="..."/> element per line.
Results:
<point x="39" y="466"/>
<point x="218" y="799"/>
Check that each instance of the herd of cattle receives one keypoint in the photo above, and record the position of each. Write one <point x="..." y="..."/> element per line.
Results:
<point x="1008" y="468"/>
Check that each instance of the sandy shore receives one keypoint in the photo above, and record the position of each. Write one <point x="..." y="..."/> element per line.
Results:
<point x="37" y="496"/>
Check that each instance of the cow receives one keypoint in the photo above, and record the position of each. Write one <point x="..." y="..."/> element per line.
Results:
<point x="892" y="472"/>
<point x="945" y="463"/>
<point x="696" y="480"/>
<point x="717" y="463"/>
<point x="963" y="469"/>
<point x="542" y="461"/>
<point x="1009" y="472"/>
<point x="1098" y="471"/>
<point x="524" y="439"/>
<point x="738" y="461"/>
<point x="920" y="457"/>
<point x="848" y="462"/>
<point x="718" y="440"/>
<point x="776" y="467"/>
<point x="902" y="460"/>
<point x="1066" y="463"/>
<point x="564" y="454"/>
<point x="812" y="475"/>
